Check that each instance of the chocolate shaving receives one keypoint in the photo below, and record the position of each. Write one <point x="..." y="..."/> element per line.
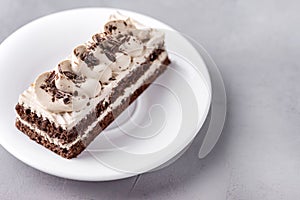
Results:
<point x="91" y="60"/>
<point x="51" y="77"/>
<point x="67" y="100"/>
<point x="112" y="45"/>
<point x="98" y="38"/>
<point x="112" y="79"/>
<point x="59" y="94"/>
<point x="73" y="77"/>
<point x="92" y="46"/>
<point x="76" y="53"/>
<point x="110" y="55"/>
<point x="70" y="75"/>
<point x="111" y="42"/>
<point x="110" y="28"/>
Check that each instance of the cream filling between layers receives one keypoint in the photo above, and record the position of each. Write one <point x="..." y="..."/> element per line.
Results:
<point x="128" y="91"/>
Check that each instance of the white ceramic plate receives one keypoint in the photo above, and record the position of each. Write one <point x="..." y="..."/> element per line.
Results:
<point x="163" y="120"/>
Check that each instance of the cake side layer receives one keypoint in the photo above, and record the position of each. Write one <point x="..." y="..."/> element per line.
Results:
<point x="80" y="145"/>
<point x="67" y="136"/>
<point x="154" y="67"/>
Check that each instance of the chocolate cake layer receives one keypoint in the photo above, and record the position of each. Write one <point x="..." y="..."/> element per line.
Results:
<point x="67" y="136"/>
<point x="78" y="147"/>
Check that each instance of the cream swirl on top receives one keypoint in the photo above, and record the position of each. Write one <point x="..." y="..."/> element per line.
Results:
<point x="77" y="80"/>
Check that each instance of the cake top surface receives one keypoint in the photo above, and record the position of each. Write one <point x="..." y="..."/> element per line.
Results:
<point x="95" y="65"/>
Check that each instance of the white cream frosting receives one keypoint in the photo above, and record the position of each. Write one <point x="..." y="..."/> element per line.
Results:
<point x="93" y="81"/>
<point x="80" y="78"/>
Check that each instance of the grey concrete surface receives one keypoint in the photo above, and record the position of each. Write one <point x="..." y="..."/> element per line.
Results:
<point x="256" y="45"/>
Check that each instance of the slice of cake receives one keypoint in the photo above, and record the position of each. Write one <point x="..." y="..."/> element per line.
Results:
<point x="67" y="107"/>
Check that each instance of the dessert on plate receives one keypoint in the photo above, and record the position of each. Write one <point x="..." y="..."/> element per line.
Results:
<point x="67" y="107"/>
